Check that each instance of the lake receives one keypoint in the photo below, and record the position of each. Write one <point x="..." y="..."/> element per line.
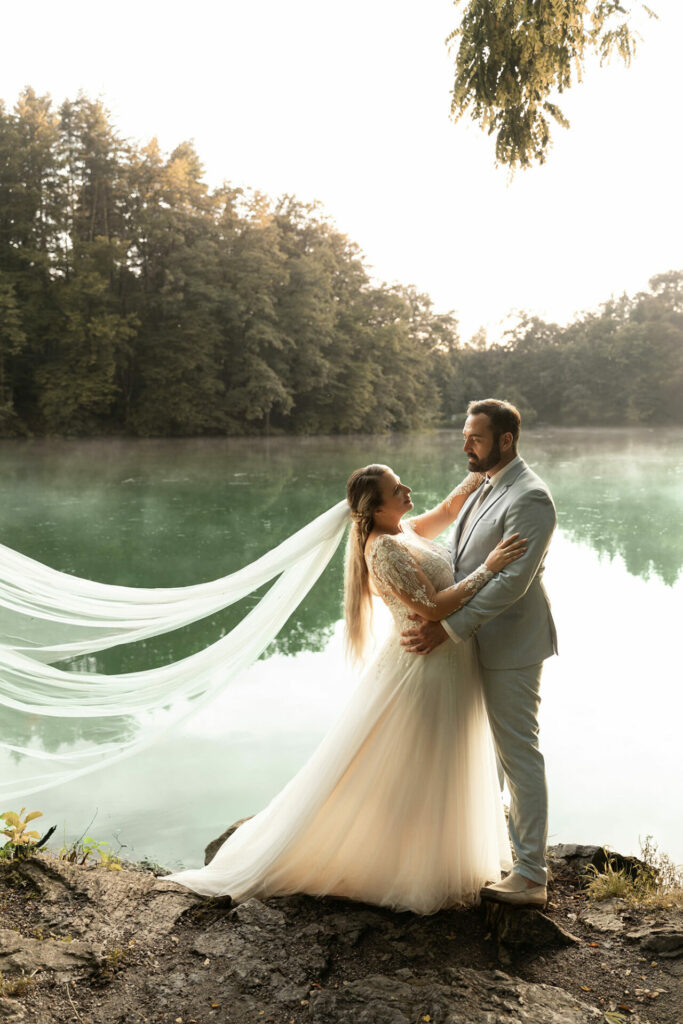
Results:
<point x="172" y="513"/>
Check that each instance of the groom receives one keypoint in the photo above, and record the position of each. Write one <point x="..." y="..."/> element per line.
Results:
<point x="515" y="630"/>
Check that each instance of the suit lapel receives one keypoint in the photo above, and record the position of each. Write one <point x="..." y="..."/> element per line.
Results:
<point x="464" y="512"/>
<point x="489" y="503"/>
<point x="495" y="496"/>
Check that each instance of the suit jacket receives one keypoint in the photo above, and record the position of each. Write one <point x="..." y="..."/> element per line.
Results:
<point x="511" y="614"/>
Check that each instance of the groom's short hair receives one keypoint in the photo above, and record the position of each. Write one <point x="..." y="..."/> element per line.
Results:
<point x="505" y="418"/>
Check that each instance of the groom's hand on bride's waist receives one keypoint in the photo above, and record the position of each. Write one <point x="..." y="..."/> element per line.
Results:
<point x="424" y="636"/>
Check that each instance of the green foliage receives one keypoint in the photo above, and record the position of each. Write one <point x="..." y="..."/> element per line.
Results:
<point x="135" y="300"/>
<point x="21" y="841"/>
<point x="622" y="365"/>
<point x="81" y="849"/>
<point x="514" y="56"/>
<point x="109" y="860"/>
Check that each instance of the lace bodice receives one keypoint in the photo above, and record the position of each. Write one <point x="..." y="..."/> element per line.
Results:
<point x="391" y="562"/>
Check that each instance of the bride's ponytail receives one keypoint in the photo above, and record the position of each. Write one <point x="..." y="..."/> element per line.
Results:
<point x="364" y="496"/>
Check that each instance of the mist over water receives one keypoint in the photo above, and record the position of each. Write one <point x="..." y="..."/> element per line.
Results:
<point x="171" y="513"/>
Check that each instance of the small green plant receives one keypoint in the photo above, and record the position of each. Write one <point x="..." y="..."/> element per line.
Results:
<point x="81" y="849"/>
<point x="21" y="842"/>
<point x="109" y="861"/>
<point x="116" y="956"/>
<point x="108" y="966"/>
<point x="17" y="828"/>
<point x="13" y="987"/>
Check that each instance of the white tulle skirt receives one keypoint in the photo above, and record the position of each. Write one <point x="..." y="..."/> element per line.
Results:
<point x="398" y="806"/>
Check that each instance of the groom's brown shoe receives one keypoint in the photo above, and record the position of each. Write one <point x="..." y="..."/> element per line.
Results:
<point x="515" y="891"/>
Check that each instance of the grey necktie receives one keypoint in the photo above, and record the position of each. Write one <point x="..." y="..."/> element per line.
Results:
<point x="485" y="491"/>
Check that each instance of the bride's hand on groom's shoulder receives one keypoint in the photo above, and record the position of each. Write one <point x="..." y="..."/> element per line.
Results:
<point x="424" y="636"/>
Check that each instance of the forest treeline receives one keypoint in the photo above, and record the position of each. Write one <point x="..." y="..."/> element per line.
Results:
<point x="135" y="299"/>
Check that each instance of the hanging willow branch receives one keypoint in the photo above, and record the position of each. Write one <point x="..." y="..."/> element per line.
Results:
<point x="512" y="56"/>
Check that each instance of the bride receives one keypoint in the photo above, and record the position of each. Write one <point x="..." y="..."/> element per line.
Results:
<point x="400" y="803"/>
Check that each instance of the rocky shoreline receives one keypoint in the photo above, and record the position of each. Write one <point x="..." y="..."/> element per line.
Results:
<point x="95" y="946"/>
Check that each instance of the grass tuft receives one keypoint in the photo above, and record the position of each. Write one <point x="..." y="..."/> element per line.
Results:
<point x="656" y="882"/>
<point x="13" y="987"/>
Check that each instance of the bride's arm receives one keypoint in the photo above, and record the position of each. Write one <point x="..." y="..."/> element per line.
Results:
<point x="396" y="571"/>
<point x="430" y="524"/>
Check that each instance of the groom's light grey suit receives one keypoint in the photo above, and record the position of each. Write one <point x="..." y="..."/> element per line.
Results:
<point x="514" y="633"/>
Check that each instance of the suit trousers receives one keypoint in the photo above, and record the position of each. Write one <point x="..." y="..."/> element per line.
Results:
<point x="512" y="698"/>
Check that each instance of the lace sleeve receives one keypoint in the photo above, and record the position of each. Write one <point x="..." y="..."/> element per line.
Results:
<point x="394" y="569"/>
<point x="473" y="583"/>
<point x="466" y="486"/>
<point x="430" y="524"/>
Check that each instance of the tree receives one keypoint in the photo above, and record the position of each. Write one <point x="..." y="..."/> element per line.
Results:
<point x="77" y="383"/>
<point x="512" y="56"/>
<point x="175" y="386"/>
<point x="135" y="299"/>
<point x="31" y="229"/>
<point x="307" y="312"/>
<point x="257" y="346"/>
<point x="12" y="341"/>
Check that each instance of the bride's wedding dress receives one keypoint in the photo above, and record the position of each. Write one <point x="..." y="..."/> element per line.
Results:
<point x="399" y="805"/>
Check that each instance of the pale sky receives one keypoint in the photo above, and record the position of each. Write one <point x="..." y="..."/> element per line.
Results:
<point x="348" y="104"/>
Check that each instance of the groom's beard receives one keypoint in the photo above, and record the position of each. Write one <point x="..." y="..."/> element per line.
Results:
<point x="476" y="465"/>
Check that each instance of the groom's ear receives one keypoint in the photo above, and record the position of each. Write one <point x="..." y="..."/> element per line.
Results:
<point x="506" y="441"/>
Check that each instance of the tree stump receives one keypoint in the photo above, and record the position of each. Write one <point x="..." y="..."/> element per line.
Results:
<point x="517" y="928"/>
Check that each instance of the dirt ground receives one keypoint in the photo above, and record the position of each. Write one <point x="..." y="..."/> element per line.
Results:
<point x="117" y="947"/>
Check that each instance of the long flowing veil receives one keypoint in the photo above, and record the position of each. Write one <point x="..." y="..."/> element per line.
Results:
<point x="47" y="616"/>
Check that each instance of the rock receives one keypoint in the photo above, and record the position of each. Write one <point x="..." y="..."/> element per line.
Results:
<point x="22" y="955"/>
<point x="44" y="878"/>
<point x="252" y="914"/>
<point x="605" y="916"/>
<point x="11" y="1011"/>
<point x="453" y="996"/>
<point x="575" y="858"/>
<point x="151" y="865"/>
<point x="348" y="930"/>
<point x="158" y="916"/>
<point x="572" y="851"/>
<point x="212" y="848"/>
<point x="667" y="942"/>
<point x="519" y="927"/>
<point x="101" y="903"/>
<point x="259" y="954"/>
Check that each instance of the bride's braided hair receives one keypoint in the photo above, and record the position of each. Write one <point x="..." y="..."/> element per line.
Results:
<point x="364" y="495"/>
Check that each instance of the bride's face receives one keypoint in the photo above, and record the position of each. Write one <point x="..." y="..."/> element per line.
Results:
<point x="395" y="497"/>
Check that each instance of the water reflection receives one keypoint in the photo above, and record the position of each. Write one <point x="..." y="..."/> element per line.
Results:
<point x="171" y="513"/>
<point x="620" y="491"/>
<point x="54" y="734"/>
